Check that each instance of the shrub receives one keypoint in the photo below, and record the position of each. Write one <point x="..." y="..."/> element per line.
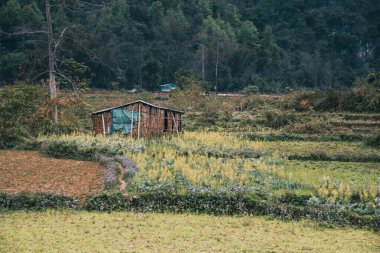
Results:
<point x="186" y="77"/>
<point x="161" y="98"/>
<point x="62" y="149"/>
<point x="358" y="99"/>
<point x="373" y="140"/>
<point x="85" y="147"/>
<point x="299" y="100"/>
<point x="277" y="118"/>
<point x="250" y="89"/>
<point x="294" y="199"/>
<point x="23" y="111"/>
<point x="371" y="80"/>
<point x="189" y="99"/>
<point x="12" y="136"/>
<point x="29" y="144"/>
<point x="312" y="126"/>
<point x="370" y="195"/>
<point x="254" y="102"/>
<point x="333" y="192"/>
<point x="107" y="202"/>
<point x="75" y="116"/>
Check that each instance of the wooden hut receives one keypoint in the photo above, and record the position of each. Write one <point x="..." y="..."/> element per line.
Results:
<point x="137" y="119"/>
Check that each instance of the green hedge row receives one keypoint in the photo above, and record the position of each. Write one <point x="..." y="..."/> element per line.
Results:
<point x="361" y="116"/>
<point x="290" y="207"/>
<point x="197" y="202"/>
<point x="72" y="150"/>
<point x="303" y="137"/>
<point x="322" y="156"/>
<point x="232" y="204"/>
<point x="36" y="201"/>
<point x="373" y="140"/>
<point x="316" y="155"/>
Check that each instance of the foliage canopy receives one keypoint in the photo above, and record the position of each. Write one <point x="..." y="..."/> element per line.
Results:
<point x="128" y="43"/>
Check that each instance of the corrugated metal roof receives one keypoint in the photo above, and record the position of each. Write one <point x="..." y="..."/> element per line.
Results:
<point x="137" y="101"/>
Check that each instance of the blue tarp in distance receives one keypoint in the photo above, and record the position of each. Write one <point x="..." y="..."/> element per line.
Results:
<point x="167" y="87"/>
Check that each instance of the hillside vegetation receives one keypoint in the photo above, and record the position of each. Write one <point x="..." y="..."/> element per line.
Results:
<point x="121" y="44"/>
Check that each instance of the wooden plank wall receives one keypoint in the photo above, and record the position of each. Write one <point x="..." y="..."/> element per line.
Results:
<point x="97" y="127"/>
<point x="97" y="122"/>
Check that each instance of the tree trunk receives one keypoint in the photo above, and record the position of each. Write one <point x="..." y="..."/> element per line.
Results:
<point x="51" y="48"/>
<point x="203" y="62"/>
<point x="316" y="79"/>
<point x="167" y="67"/>
<point x="216" y="67"/>
<point x="141" y="67"/>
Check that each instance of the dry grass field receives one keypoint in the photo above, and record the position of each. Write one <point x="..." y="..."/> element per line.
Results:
<point x="65" y="231"/>
<point x="26" y="171"/>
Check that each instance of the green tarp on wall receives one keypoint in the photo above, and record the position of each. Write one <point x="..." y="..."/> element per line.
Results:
<point x="122" y="119"/>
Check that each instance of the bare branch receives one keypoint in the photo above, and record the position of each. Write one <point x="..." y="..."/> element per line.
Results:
<point x="71" y="82"/>
<point x="92" y="4"/>
<point x="23" y="32"/>
<point x="60" y="38"/>
<point x="40" y="74"/>
<point x="58" y="72"/>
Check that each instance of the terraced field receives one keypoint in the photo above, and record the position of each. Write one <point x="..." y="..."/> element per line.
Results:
<point x="358" y="175"/>
<point x="316" y="187"/>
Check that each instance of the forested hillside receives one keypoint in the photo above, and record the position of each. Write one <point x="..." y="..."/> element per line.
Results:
<point x="123" y="44"/>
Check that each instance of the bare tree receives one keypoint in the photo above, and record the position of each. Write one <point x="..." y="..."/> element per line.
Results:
<point x="52" y="59"/>
<point x="53" y="45"/>
<point x="216" y="67"/>
<point x="203" y="61"/>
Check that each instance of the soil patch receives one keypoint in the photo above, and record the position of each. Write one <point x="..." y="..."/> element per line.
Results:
<point x="29" y="171"/>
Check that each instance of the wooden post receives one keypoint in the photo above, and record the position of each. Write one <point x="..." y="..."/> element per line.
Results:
<point x="103" y="124"/>
<point x="175" y="123"/>
<point x="139" y="123"/>
<point x="132" y="122"/>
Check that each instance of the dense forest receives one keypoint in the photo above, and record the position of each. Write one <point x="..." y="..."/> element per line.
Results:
<point x="125" y="44"/>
